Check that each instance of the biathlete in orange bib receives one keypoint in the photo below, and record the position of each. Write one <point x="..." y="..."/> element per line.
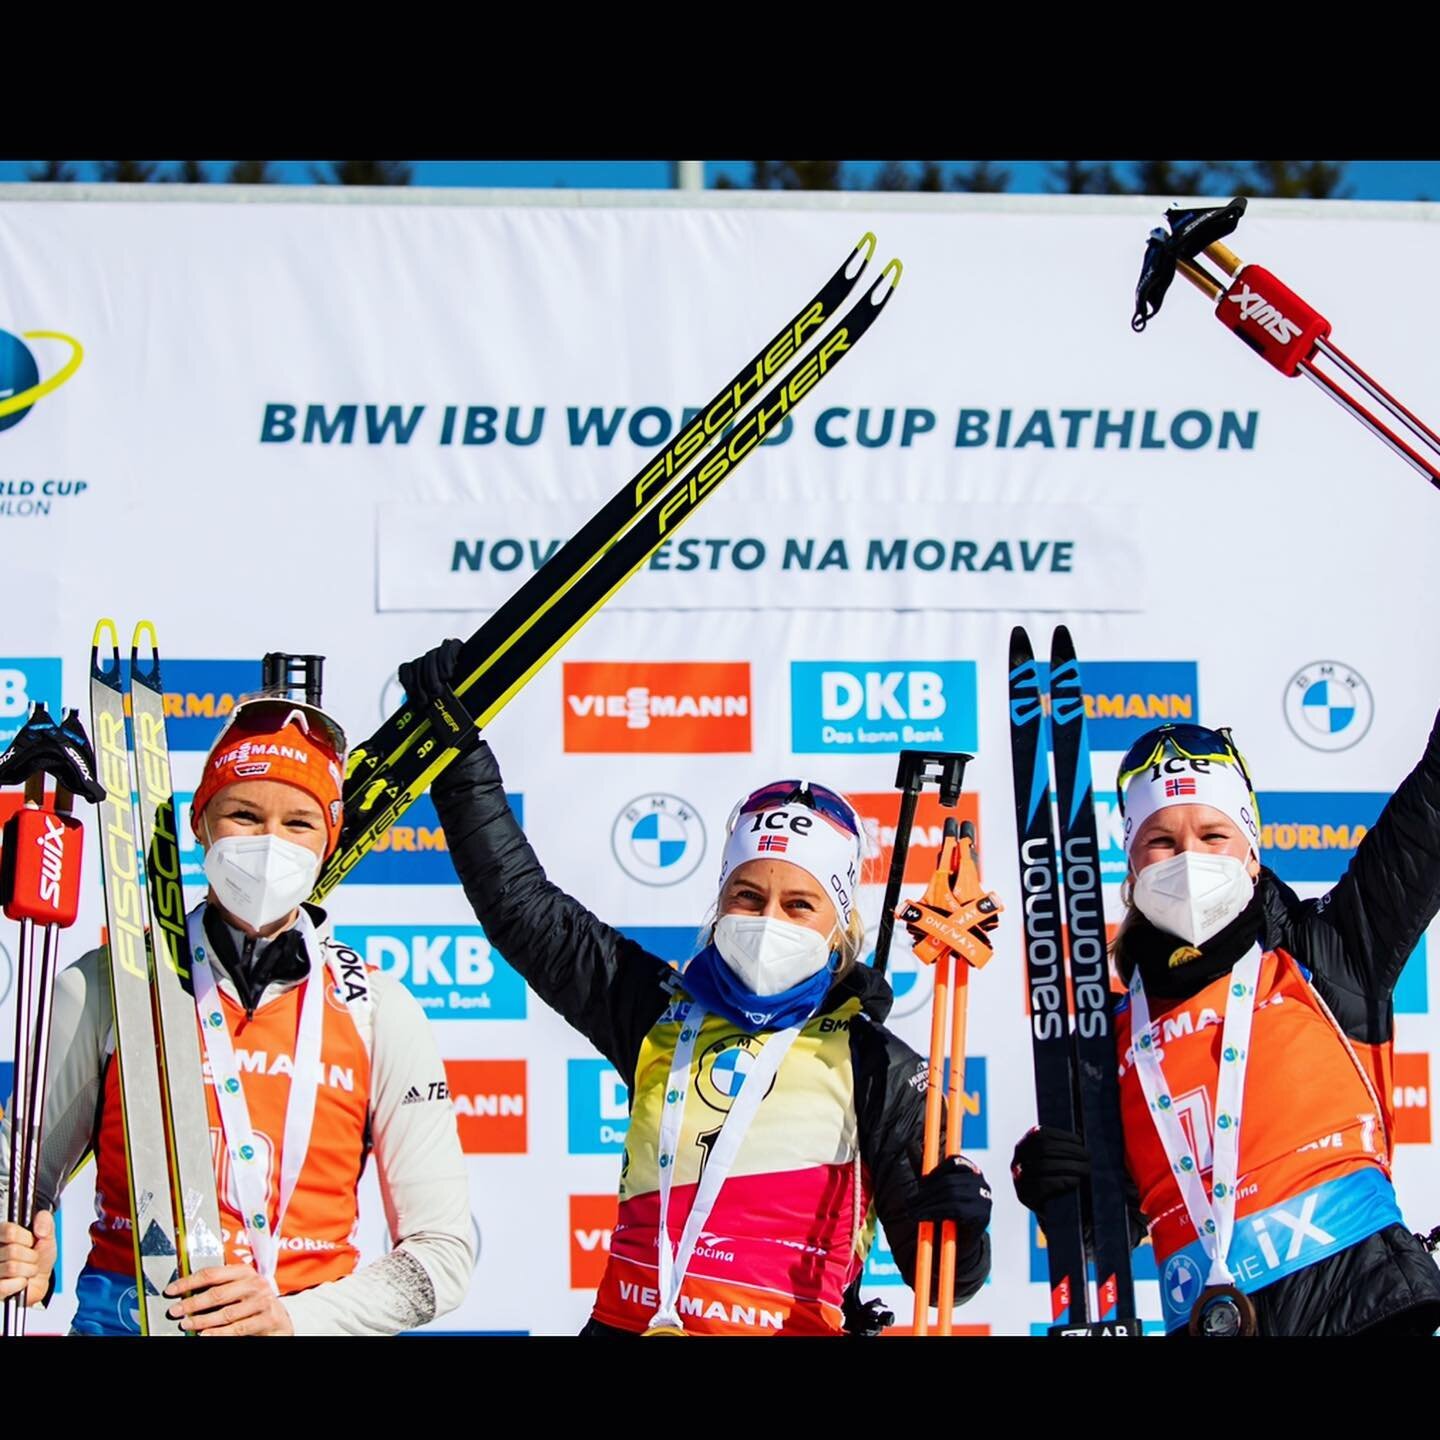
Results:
<point x="333" y="1061"/>
<point x="773" y="1116"/>
<point x="1255" y="1047"/>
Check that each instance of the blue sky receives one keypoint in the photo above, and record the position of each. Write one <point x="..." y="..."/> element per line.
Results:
<point x="1369" y="179"/>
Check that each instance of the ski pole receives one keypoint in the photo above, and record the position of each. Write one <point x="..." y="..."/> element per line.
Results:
<point x="917" y="769"/>
<point x="1274" y="321"/>
<point x="953" y="920"/>
<point x="39" y="886"/>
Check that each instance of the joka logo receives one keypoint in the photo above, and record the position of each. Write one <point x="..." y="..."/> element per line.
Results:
<point x="453" y="971"/>
<point x="592" y="1220"/>
<point x="880" y="814"/>
<point x="1312" y="836"/>
<point x="22" y="683"/>
<point x="672" y="943"/>
<point x="199" y="696"/>
<point x="1125" y="698"/>
<point x="657" y="709"/>
<point x="1328" y="705"/>
<point x="1412" y="990"/>
<point x="413" y="851"/>
<point x="20" y="383"/>
<point x="1142" y="1258"/>
<point x="490" y="1105"/>
<point x="599" y="1106"/>
<point x="1412" y="1099"/>
<point x="881" y="706"/>
<point x="658" y="839"/>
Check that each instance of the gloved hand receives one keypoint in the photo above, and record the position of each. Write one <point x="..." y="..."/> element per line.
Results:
<point x="955" y="1190"/>
<point x="430" y="674"/>
<point x="1048" y="1162"/>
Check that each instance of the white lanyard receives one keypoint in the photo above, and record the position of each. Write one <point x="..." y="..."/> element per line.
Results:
<point x="754" y="1084"/>
<point x="1214" y="1222"/>
<point x="247" y="1159"/>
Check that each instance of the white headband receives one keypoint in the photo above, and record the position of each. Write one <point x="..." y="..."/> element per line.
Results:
<point x="1178" y="780"/>
<point x="804" y="837"/>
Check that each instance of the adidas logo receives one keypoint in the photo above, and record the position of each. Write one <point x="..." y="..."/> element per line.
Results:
<point x="438" y="1090"/>
<point x="413" y="1097"/>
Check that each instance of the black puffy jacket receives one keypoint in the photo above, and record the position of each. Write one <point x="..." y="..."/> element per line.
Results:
<point x="613" y="991"/>
<point x="1355" y="941"/>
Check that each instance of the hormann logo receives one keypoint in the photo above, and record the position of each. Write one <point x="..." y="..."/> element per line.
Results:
<point x="1125" y="698"/>
<point x="659" y="708"/>
<point x="1412" y="1099"/>
<point x="1312" y="836"/>
<point x="1412" y="990"/>
<point x="414" y="851"/>
<point x="199" y="696"/>
<point x="1258" y="310"/>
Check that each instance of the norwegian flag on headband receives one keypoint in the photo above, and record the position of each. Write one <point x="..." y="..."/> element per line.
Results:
<point x="1179" y="787"/>
<point x="773" y="842"/>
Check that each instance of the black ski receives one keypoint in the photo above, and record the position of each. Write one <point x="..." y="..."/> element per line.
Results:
<point x="1045" y="973"/>
<point x="1094" y="1040"/>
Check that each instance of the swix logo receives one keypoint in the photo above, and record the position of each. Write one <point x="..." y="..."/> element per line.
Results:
<point x="1256" y="309"/>
<point x="1412" y="1099"/>
<point x="490" y="1105"/>
<point x="592" y="1220"/>
<point x="666" y="709"/>
<point x="880" y="819"/>
<point x="52" y="860"/>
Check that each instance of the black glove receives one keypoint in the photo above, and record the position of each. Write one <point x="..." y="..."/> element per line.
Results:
<point x="1048" y="1162"/>
<point x="429" y="676"/>
<point x="954" y="1190"/>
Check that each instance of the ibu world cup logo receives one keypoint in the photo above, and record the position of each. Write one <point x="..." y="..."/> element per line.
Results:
<point x="22" y="384"/>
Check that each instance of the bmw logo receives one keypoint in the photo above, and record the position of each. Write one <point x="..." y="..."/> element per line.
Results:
<point x="1183" y="1282"/>
<point x="1328" y="705"/>
<point x="658" y="839"/>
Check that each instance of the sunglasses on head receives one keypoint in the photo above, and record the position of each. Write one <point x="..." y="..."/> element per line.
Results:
<point x="1192" y="742"/>
<point x="824" y="801"/>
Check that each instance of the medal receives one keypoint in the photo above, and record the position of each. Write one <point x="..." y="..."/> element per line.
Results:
<point x="1223" y="1310"/>
<point x="662" y="1330"/>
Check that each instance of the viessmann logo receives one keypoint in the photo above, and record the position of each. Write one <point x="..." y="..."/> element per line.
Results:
<point x="672" y="708"/>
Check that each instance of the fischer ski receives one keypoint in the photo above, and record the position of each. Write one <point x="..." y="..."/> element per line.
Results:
<point x="187" y="1119"/>
<point x="389" y="771"/>
<point x="147" y="1157"/>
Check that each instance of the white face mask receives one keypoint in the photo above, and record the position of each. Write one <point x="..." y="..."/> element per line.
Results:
<point x="769" y="955"/>
<point x="260" y="878"/>
<point x="1193" y="895"/>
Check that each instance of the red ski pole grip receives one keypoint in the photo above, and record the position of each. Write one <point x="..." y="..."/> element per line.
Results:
<point x="40" y="872"/>
<point x="1271" y="318"/>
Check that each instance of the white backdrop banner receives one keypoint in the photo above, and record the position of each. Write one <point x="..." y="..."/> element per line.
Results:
<point x="354" y="429"/>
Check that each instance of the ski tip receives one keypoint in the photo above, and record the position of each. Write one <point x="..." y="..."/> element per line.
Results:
<point x="1062" y="647"/>
<point x="143" y="629"/>
<point x="102" y="628"/>
<point x="862" y="254"/>
<point x="882" y="291"/>
<point x="1020" y="647"/>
